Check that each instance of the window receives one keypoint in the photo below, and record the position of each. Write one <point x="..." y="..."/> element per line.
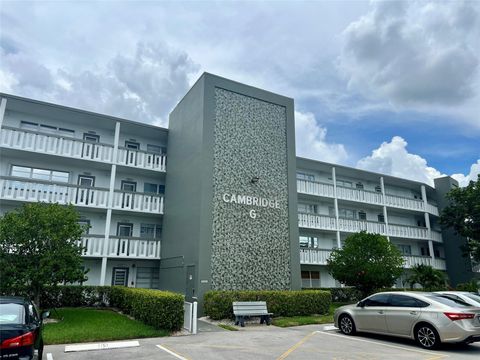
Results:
<point x="39" y="174"/>
<point x="359" y="186"/>
<point x="344" y="183"/>
<point x="129" y="186"/>
<point x="378" y="300"/>
<point x="308" y="208"/>
<point x="147" y="278"/>
<point x="12" y="313"/>
<point x="309" y="242"/>
<point x="310" y="279"/>
<point x="305" y="176"/>
<point x="124" y="229"/>
<point x="49" y="129"/>
<point x="150" y="231"/>
<point x="425" y="251"/>
<point x="347" y="213"/>
<point x="362" y="215"/>
<point x="448" y="301"/>
<point x="405" y="249"/>
<point x="132" y="145"/>
<point x="156" y="149"/>
<point x="405" y="301"/>
<point x="378" y="188"/>
<point x="86" y="225"/>
<point x="381" y="218"/>
<point x="91" y="137"/>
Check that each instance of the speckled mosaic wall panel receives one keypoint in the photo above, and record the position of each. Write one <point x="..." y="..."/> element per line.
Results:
<point x="250" y="141"/>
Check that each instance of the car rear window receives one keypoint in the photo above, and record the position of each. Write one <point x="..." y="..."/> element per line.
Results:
<point x="473" y="297"/>
<point x="12" y="313"/>
<point x="449" y="301"/>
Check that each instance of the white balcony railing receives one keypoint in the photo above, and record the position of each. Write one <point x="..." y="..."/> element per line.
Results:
<point x="314" y="188"/>
<point x="322" y="222"/>
<point x="121" y="247"/>
<point x="65" y="146"/>
<point x="365" y="196"/>
<point x="316" y="221"/>
<point x="436" y="263"/>
<point x="53" y="144"/>
<point x="38" y="191"/>
<point x="138" y="202"/>
<point x="35" y="191"/>
<point x="320" y="256"/>
<point x="141" y="159"/>
<point x="314" y="256"/>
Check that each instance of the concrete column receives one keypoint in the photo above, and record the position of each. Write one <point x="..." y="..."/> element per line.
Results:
<point x="385" y="213"/>
<point x="335" y="201"/>
<point x="3" y="106"/>
<point x="427" y="221"/>
<point x="111" y="193"/>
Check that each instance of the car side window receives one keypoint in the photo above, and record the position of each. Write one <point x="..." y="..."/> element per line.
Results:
<point x="32" y="312"/>
<point x="378" y="300"/>
<point x="405" y="301"/>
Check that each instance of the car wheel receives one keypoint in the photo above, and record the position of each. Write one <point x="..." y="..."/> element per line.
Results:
<point x="346" y="324"/>
<point x="427" y="337"/>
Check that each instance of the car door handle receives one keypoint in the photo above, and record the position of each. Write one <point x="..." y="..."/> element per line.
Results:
<point x="380" y="311"/>
<point x="413" y="313"/>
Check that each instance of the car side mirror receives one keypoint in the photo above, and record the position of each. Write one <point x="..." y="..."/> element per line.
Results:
<point x="361" y="304"/>
<point x="45" y="314"/>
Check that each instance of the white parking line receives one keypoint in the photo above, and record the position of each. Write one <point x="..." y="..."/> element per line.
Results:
<point x="101" y="346"/>
<point x="430" y="353"/>
<point x="49" y="356"/>
<point x="329" y="327"/>
<point x="178" y="356"/>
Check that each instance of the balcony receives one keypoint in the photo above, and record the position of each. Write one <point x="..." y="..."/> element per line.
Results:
<point x="364" y="196"/>
<point x="41" y="191"/>
<point x="413" y="260"/>
<point x="120" y="247"/>
<point x="322" y="222"/>
<point x="141" y="159"/>
<point x="320" y="256"/>
<point x="27" y="140"/>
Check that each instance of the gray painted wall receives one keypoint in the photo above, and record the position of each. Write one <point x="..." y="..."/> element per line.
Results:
<point x="459" y="268"/>
<point x="189" y="203"/>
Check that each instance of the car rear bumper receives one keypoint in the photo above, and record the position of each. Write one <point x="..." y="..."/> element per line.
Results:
<point x="471" y="339"/>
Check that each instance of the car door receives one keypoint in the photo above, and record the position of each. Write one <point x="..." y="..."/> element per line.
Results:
<point x="371" y="316"/>
<point x="402" y="313"/>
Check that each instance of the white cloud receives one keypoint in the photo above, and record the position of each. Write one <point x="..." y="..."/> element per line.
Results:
<point x="392" y="158"/>
<point x="463" y="180"/>
<point x="415" y="53"/>
<point x="311" y="140"/>
<point x="144" y="86"/>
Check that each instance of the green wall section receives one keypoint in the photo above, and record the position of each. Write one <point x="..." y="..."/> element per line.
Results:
<point x="221" y="135"/>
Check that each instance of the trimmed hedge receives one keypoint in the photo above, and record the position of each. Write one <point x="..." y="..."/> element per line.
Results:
<point x="75" y="296"/>
<point x="218" y="304"/>
<point x="161" y="309"/>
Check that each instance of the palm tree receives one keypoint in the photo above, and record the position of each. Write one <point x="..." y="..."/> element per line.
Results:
<point x="427" y="277"/>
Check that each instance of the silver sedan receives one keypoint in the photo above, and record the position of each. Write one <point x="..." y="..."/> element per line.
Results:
<point x="428" y="318"/>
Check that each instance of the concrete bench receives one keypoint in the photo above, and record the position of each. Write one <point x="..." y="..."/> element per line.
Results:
<point x="242" y="309"/>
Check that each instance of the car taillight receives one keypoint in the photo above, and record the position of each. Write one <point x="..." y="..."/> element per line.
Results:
<point x="459" y="316"/>
<point x="23" y="340"/>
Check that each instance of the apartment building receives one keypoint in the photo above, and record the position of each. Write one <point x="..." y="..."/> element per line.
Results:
<point x="234" y="208"/>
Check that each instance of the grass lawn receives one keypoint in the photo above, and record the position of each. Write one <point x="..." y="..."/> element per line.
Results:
<point x="85" y="325"/>
<point x="307" y="320"/>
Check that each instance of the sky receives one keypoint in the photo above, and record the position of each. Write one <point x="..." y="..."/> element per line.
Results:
<point x="392" y="87"/>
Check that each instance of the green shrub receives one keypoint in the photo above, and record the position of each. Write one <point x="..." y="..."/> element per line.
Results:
<point x="75" y="296"/>
<point x="471" y="286"/>
<point x="161" y="309"/>
<point x="218" y="304"/>
<point x="345" y="294"/>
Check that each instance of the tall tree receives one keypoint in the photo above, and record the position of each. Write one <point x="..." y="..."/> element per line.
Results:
<point x="463" y="215"/>
<point x="427" y="277"/>
<point x="367" y="262"/>
<point x="39" y="247"/>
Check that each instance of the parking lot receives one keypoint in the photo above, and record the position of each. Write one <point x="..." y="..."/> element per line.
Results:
<point x="262" y="342"/>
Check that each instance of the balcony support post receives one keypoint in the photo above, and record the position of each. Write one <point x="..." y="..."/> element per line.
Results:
<point x="427" y="221"/>
<point x="335" y="201"/>
<point x="3" y="105"/>
<point x="384" y="207"/>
